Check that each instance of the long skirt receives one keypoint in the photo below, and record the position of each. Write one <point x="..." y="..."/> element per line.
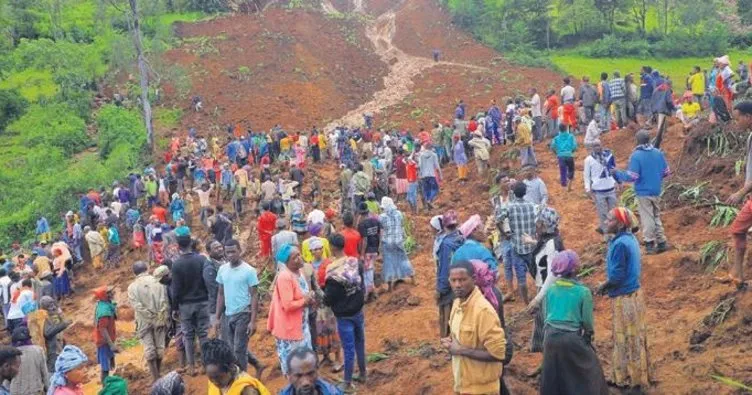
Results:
<point x="396" y="263"/>
<point x="369" y="264"/>
<point x="285" y="347"/>
<point x="570" y="366"/>
<point x="62" y="284"/>
<point x="536" y="342"/>
<point x="400" y="186"/>
<point x="327" y="339"/>
<point x="631" y="366"/>
<point x="113" y="255"/>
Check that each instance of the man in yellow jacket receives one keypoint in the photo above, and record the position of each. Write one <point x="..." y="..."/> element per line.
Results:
<point x="696" y="83"/>
<point x="476" y="343"/>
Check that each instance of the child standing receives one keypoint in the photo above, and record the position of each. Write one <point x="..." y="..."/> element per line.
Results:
<point x="564" y="146"/>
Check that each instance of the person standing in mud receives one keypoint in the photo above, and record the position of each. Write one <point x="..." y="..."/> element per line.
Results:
<point x="476" y="343"/>
<point x="743" y="220"/>
<point x="647" y="169"/>
<point x="191" y="298"/>
<point x="152" y="310"/>
<point x="436" y="55"/>
<point x="630" y="363"/>
<point x="105" y="335"/>
<point x="446" y="244"/>
<point x="430" y="174"/>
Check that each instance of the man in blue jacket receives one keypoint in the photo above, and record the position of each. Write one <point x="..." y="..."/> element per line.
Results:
<point x="647" y="169"/>
<point x="302" y="365"/>
<point x="449" y="242"/>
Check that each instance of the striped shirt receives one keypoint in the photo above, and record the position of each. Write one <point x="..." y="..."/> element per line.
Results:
<point x="618" y="90"/>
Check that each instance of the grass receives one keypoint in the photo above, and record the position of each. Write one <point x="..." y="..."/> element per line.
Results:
<point x="167" y="118"/>
<point x="677" y="69"/>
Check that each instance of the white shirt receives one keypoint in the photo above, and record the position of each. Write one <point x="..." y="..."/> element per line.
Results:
<point x="535" y="102"/>
<point x="15" y="311"/>
<point x="203" y="196"/>
<point x="116" y="207"/>
<point x="592" y="133"/>
<point x="303" y="141"/>
<point x="567" y="94"/>
<point x="593" y="176"/>
<point x="316" y="217"/>
<point x="5" y="292"/>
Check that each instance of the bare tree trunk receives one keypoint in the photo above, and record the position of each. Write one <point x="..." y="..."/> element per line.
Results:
<point x="143" y="73"/>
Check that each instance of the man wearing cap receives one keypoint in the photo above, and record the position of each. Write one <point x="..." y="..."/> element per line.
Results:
<point x="152" y="310"/>
<point x="450" y="241"/>
<point x="429" y="169"/>
<point x="190" y="296"/>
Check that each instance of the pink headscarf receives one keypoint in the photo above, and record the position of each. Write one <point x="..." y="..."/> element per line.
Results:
<point x="470" y="225"/>
<point x="565" y="263"/>
<point x="484" y="279"/>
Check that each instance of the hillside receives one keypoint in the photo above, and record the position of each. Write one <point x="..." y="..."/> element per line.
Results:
<point x="302" y="67"/>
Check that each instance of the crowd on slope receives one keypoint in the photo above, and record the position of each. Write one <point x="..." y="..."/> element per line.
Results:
<point x="186" y="289"/>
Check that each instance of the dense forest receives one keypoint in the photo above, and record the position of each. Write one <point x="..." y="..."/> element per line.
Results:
<point x="60" y="130"/>
<point x="609" y="28"/>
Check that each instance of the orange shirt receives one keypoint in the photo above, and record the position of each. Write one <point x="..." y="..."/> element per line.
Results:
<point x="412" y="171"/>
<point x="160" y="213"/>
<point x="352" y="241"/>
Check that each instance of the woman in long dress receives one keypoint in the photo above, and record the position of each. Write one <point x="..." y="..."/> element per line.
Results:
<point x="396" y="263"/>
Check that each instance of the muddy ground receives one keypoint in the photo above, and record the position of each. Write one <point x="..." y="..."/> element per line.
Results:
<point x="307" y="68"/>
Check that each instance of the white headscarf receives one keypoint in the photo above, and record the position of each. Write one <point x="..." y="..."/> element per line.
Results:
<point x="387" y="204"/>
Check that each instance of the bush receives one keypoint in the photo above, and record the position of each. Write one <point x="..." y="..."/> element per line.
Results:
<point x="681" y="43"/>
<point x="611" y="46"/>
<point x="51" y="125"/>
<point x="12" y="106"/>
<point x="117" y="127"/>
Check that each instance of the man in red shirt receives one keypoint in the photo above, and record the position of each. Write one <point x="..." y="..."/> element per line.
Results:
<point x="400" y="170"/>
<point x="424" y="136"/>
<point x="551" y="108"/>
<point x="351" y="235"/>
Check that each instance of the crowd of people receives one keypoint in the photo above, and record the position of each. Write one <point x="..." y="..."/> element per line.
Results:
<point x="328" y="255"/>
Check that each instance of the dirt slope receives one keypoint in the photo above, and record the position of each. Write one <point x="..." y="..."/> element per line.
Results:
<point x="338" y="80"/>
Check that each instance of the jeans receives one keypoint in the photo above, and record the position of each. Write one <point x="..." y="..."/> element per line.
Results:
<point x="412" y="194"/>
<point x="589" y="114"/>
<point x="194" y="320"/>
<point x="527" y="156"/>
<point x="506" y="257"/>
<point x="518" y="263"/>
<point x="235" y="333"/>
<point x="553" y="127"/>
<point x="430" y="188"/>
<point x="352" y="334"/>
<point x="605" y="118"/>
<point x="566" y="170"/>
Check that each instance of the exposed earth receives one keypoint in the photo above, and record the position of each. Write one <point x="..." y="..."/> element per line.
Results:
<point x="302" y="68"/>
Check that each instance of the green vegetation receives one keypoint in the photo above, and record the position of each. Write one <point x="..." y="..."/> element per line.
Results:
<point x="54" y="56"/>
<point x="634" y="31"/>
<point x="713" y="254"/>
<point x="677" y="69"/>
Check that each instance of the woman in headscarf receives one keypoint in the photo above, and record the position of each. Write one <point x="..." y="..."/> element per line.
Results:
<point x="631" y="367"/>
<point x="69" y="375"/>
<point x="177" y="207"/>
<point x="306" y="251"/>
<point x="547" y="245"/>
<point x="105" y="335"/>
<point x="344" y="292"/>
<point x="170" y="384"/>
<point x="472" y="231"/>
<point x="570" y="365"/>
<point x="396" y="265"/>
<point x="485" y="280"/>
<point x="288" y="312"/>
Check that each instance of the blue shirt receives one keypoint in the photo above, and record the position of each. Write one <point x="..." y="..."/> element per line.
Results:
<point x="236" y="282"/>
<point x="564" y="145"/>
<point x="647" y="168"/>
<point x="449" y="245"/>
<point x="474" y="250"/>
<point x="43" y="226"/>
<point x="623" y="264"/>
<point x="322" y="386"/>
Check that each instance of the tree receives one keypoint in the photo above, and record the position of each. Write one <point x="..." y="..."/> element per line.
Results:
<point x="608" y="8"/>
<point x="640" y="10"/>
<point x="744" y="9"/>
<point x="12" y="107"/>
<point x="143" y="71"/>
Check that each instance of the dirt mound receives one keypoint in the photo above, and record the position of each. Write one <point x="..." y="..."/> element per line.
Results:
<point x="275" y="68"/>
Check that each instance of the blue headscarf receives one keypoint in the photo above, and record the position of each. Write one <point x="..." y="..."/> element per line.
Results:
<point x="284" y="253"/>
<point x="70" y="358"/>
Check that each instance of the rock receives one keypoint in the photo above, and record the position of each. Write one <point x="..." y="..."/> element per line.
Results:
<point x="413" y="301"/>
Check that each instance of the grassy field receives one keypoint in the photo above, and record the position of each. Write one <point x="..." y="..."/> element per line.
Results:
<point x="677" y="69"/>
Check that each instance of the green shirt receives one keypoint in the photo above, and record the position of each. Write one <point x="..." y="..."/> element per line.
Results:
<point x="569" y="306"/>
